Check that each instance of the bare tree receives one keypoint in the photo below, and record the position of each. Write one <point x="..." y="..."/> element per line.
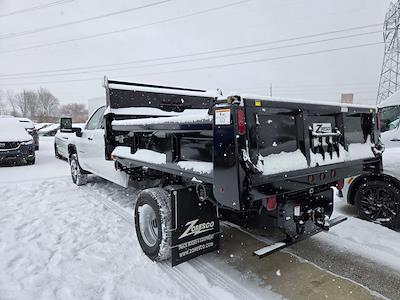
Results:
<point x="48" y="103"/>
<point x="25" y="103"/>
<point x="12" y="103"/>
<point x="76" y="111"/>
<point x="3" y="105"/>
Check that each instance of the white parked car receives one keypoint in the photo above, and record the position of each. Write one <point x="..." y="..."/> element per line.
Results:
<point x="50" y="130"/>
<point x="378" y="197"/>
<point x="61" y="141"/>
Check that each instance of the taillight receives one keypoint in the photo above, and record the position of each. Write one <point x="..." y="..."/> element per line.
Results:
<point x="241" y="122"/>
<point x="271" y="203"/>
<point x="378" y="121"/>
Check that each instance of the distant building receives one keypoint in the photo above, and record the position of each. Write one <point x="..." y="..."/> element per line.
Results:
<point x="95" y="103"/>
<point x="347" y="98"/>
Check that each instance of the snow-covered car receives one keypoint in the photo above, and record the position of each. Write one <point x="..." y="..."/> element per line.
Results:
<point x="61" y="141"/>
<point x="39" y="126"/>
<point x="50" y="130"/>
<point x="30" y="128"/>
<point x="378" y="197"/>
<point x="16" y="144"/>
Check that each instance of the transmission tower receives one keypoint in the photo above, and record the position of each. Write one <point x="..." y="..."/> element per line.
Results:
<point x="390" y="76"/>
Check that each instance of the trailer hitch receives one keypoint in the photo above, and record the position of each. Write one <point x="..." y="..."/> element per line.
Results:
<point x="263" y="252"/>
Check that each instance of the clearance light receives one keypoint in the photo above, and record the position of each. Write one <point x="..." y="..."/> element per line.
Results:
<point x="272" y="203"/>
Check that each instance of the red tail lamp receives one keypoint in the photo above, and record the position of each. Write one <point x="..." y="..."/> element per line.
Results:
<point x="272" y="203"/>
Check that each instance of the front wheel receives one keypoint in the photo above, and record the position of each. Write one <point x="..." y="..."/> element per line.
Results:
<point x="30" y="161"/>
<point x="77" y="173"/>
<point x="153" y="223"/>
<point x="56" y="154"/>
<point x="379" y="201"/>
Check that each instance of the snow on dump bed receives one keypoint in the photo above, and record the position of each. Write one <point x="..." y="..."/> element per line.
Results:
<point x="12" y="131"/>
<point x="292" y="161"/>
<point x="209" y="94"/>
<point x="356" y="151"/>
<point x="300" y="101"/>
<point x="282" y="162"/>
<point x="152" y="111"/>
<point x="141" y="155"/>
<point x="189" y="118"/>
<point x="201" y="167"/>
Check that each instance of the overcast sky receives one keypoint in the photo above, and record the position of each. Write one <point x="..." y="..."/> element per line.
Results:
<point x="36" y="48"/>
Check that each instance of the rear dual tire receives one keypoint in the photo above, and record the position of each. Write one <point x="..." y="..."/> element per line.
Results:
<point x="153" y="223"/>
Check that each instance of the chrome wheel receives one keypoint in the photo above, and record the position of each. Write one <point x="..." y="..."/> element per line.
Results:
<point x="74" y="169"/>
<point x="148" y="225"/>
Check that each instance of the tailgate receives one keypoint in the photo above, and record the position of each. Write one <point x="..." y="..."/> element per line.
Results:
<point x="288" y="136"/>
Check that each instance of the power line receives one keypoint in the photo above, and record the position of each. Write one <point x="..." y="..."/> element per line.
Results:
<point x="31" y="74"/>
<point x="202" y="52"/>
<point x="33" y="8"/>
<point x="146" y="25"/>
<point x="212" y="66"/>
<point x="124" y="11"/>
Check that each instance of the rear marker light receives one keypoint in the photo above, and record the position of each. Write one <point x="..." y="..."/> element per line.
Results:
<point x="271" y="203"/>
<point x="241" y="122"/>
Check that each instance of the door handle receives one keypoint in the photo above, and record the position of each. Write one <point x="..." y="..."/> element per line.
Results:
<point x="90" y="138"/>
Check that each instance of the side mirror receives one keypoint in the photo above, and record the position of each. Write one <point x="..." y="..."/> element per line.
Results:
<point x="66" y="126"/>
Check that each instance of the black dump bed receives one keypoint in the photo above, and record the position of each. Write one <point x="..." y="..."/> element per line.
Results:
<point x="247" y="147"/>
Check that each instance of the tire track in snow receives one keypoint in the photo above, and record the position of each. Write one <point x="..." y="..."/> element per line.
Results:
<point x="197" y="289"/>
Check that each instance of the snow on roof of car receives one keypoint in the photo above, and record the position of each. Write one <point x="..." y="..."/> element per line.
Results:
<point x="27" y="123"/>
<point x="393" y="100"/>
<point x="50" y="128"/>
<point x="15" y="131"/>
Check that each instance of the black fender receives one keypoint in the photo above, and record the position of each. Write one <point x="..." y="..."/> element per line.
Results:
<point x="369" y="177"/>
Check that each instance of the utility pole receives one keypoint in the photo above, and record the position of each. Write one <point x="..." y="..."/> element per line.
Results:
<point x="390" y="75"/>
<point x="270" y="87"/>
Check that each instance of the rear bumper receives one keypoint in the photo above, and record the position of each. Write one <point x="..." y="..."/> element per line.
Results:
<point x="22" y="152"/>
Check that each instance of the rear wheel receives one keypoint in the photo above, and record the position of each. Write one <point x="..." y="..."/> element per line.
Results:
<point x="153" y="223"/>
<point x="379" y="201"/>
<point x="77" y="173"/>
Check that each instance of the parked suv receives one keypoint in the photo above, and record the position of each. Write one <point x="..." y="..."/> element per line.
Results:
<point x="16" y="144"/>
<point x="30" y="128"/>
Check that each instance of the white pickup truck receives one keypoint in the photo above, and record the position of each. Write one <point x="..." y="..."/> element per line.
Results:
<point x="89" y="147"/>
<point x="383" y="192"/>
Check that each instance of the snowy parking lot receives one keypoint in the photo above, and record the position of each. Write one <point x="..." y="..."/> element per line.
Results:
<point x="59" y="241"/>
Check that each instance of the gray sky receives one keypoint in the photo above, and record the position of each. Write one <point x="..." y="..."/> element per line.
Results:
<point x="139" y="54"/>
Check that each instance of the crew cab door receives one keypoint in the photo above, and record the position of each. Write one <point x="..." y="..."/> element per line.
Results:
<point x="93" y="147"/>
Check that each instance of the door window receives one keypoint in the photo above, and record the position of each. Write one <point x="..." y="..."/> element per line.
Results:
<point x="96" y="119"/>
<point x="390" y="118"/>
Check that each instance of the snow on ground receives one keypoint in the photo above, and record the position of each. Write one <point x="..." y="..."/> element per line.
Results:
<point x="46" y="165"/>
<point x="58" y="241"/>
<point x="366" y="239"/>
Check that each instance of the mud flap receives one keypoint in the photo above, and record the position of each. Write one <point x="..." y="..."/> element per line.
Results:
<point x="195" y="226"/>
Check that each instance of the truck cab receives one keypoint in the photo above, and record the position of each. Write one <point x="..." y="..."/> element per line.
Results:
<point x="86" y="152"/>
